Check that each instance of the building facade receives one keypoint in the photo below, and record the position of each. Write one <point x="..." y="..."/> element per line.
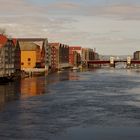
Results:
<point x="8" y="59"/>
<point x="35" y="53"/>
<point x="17" y="55"/>
<point x="75" y="55"/>
<point x="54" y="58"/>
<point x="96" y="56"/>
<point x="136" y="55"/>
<point x="59" y="55"/>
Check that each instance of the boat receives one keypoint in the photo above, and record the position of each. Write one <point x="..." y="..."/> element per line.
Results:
<point x="75" y="68"/>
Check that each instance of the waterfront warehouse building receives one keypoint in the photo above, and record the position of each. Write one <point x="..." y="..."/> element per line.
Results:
<point x="61" y="58"/>
<point x="35" y="53"/>
<point x="75" y="55"/>
<point x="9" y="56"/>
<point x="54" y="57"/>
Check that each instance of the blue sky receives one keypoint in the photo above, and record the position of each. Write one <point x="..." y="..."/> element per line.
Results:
<point x="110" y="26"/>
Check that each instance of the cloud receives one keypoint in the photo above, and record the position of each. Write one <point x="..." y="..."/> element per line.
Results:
<point x="18" y="7"/>
<point x="120" y="11"/>
<point x="74" y="23"/>
<point x="63" y="5"/>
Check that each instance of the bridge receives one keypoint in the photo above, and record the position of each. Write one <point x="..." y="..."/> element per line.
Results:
<point x="108" y="61"/>
<point x="112" y="62"/>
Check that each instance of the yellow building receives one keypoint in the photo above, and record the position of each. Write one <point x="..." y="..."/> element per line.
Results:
<point x="32" y="55"/>
<point x="35" y="53"/>
<point x="28" y="55"/>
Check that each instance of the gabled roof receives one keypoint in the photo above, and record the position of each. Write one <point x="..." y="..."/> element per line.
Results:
<point x="31" y="39"/>
<point x="28" y="46"/>
<point x="15" y="41"/>
<point x="3" y="40"/>
<point x="38" y="41"/>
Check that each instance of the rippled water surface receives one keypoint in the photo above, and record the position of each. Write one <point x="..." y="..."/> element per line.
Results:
<point x="98" y="104"/>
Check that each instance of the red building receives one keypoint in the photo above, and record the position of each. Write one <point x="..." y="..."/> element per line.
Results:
<point x="59" y="55"/>
<point x="75" y="53"/>
<point x="54" y="56"/>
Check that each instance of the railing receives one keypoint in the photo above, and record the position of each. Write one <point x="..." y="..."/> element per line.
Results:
<point x="108" y="61"/>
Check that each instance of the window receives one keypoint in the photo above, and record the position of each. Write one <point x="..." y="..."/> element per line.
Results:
<point x="22" y="63"/>
<point x="29" y="59"/>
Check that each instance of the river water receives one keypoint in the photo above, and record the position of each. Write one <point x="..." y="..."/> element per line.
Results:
<point x="102" y="104"/>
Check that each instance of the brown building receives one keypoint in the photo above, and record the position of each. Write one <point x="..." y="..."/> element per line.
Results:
<point x="54" y="58"/>
<point x="59" y="55"/>
<point x="89" y="54"/>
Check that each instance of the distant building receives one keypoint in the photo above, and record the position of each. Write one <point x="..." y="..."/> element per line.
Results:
<point x="60" y="55"/>
<point x="136" y="55"/>
<point x="35" y="53"/>
<point x="88" y="54"/>
<point x="96" y="56"/>
<point x="8" y="59"/>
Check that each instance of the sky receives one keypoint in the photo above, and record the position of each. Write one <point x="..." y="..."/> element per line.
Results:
<point x="110" y="26"/>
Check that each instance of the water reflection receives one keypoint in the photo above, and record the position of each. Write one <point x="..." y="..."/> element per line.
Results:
<point x="62" y="76"/>
<point x="32" y="86"/>
<point x="9" y="92"/>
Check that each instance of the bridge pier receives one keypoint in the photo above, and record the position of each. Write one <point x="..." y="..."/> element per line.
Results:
<point x="112" y="63"/>
<point x="128" y="63"/>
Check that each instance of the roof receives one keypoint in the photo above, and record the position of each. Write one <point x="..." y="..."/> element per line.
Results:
<point x="57" y="45"/>
<point x="37" y="41"/>
<point x="31" y="39"/>
<point x="28" y="46"/>
<point x="75" y="47"/>
<point x="54" y="44"/>
<point x="15" y="41"/>
<point x="3" y="40"/>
